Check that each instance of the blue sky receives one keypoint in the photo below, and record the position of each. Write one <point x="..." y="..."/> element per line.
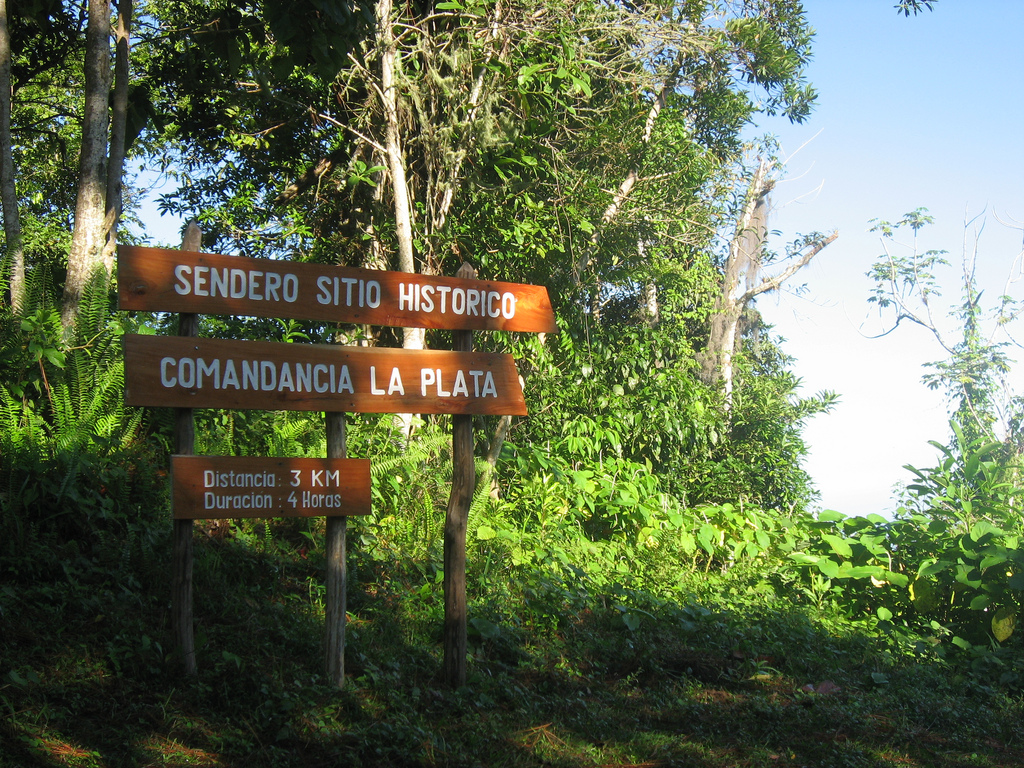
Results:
<point x="924" y="111"/>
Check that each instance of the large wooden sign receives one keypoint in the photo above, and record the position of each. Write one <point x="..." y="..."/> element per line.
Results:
<point x="183" y="372"/>
<point x="213" y="487"/>
<point x="159" y="280"/>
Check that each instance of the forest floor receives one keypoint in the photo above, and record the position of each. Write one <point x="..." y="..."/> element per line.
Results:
<point x="728" y="676"/>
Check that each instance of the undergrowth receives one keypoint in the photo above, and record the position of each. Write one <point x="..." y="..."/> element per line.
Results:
<point x="566" y="667"/>
<point x="609" y="623"/>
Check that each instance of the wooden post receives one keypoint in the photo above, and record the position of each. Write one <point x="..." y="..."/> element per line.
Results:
<point x="184" y="445"/>
<point x="463" y="485"/>
<point x="337" y="572"/>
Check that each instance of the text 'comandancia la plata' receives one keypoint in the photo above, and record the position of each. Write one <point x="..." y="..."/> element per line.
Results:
<point x="321" y="378"/>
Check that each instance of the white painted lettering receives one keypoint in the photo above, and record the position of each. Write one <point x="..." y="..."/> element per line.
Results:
<point x="406" y="297"/>
<point x="182" y="271"/>
<point x="344" y="381"/>
<point x="444" y="290"/>
<point x="230" y="378"/>
<point x="167" y="372"/>
<point x="395" y="384"/>
<point x="304" y="377"/>
<point x="323" y="283"/>
<point x="349" y="282"/>
<point x="319" y="385"/>
<point x="427" y="378"/>
<point x="186" y="372"/>
<point x="459" y="387"/>
<point x="489" y="387"/>
<point x="374" y="389"/>
<point x="273" y="284"/>
<point x="250" y="374"/>
<point x="219" y="282"/>
<point x="291" y="288"/>
<point x="238" y="284"/>
<point x="212" y="370"/>
<point x="285" y="380"/>
<point x="268" y="376"/>
<point x="254" y="286"/>
<point x="508" y="305"/>
<point x="199" y="281"/>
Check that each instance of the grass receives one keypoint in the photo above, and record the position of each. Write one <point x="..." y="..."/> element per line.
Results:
<point x="88" y="678"/>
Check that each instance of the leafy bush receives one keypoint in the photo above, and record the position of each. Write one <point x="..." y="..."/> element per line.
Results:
<point x="949" y="564"/>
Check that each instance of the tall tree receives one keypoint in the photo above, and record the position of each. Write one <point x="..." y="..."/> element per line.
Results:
<point x="743" y="276"/>
<point x="14" y="249"/>
<point x="101" y="159"/>
<point x="87" y="238"/>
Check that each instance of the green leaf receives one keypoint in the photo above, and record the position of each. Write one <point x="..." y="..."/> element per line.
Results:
<point x="898" y="579"/>
<point x="830" y="516"/>
<point x="847" y="571"/>
<point x="706" y="536"/>
<point x="485" y="533"/>
<point x="1003" y="624"/>
<point x="631" y="620"/>
<point x="829" y="568"/>
<point x="981" y="602"/>
<point x="840" y="546"/>
<point x="924" y="595"/>
<point x="983" y="530"/>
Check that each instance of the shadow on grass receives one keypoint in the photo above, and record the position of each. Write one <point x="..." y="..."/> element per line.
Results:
<point x="87" y="679"/>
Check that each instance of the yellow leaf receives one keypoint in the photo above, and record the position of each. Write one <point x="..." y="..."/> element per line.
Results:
<point x="1003" y="624"/>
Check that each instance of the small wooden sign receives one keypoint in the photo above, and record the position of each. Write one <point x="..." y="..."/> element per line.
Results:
<point x="212" y="487"/>
<point x="184" y="372"/>
<point x="160" y="280"/>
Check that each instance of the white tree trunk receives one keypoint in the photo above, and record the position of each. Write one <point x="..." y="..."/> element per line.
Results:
<point x="87" y="238"/>
<point x="412" y="338"/>
<point x="742" y="281"/>
<point x="15" y="254"/>
<point x="119" y="119"/>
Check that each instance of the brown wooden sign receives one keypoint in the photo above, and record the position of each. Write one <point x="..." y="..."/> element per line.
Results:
<point x="212" y="487"/>
<point x="181" y="372"/>
<point x="159" y="280"/>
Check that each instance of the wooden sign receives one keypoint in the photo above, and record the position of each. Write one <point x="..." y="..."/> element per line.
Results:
<point x="212" y="487"/>
<point x="159" y="280"/>
<point x="183" y="372"/>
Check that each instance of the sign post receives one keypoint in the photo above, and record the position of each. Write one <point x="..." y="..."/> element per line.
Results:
<point x="268" y="375"/>
<point x="188" y="372"/>
<point x="336" y="578"/>
<point x="455" y="524"/>
<point x="157" y="279"/>
<point x="184" y="444"/>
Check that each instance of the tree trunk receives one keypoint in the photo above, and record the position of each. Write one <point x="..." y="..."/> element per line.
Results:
<point x="15" y="253"/>
<point x="119" y="119"/>
<point x="393" y="140"/>
<point x="742" y="280"/>
<point x="87" y="239"/>
<point x="412" y="338"/>
<point x="742" y="269"/>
